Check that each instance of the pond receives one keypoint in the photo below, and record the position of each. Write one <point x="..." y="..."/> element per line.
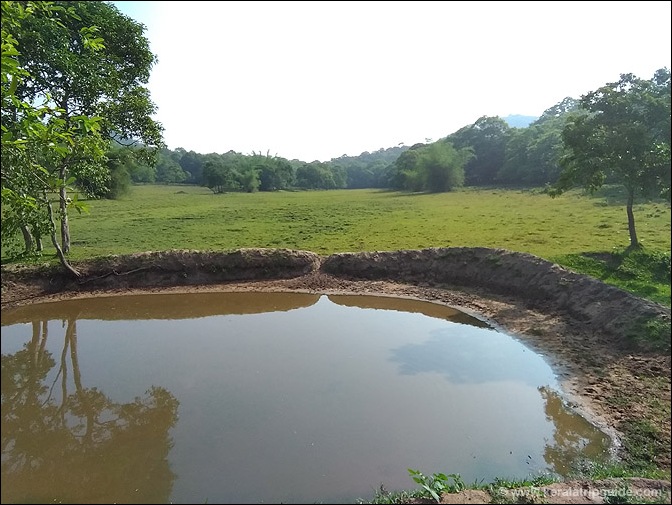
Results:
<point x="269" y="397"/>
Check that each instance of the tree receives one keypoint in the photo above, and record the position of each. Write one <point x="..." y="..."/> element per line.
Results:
<point x="403" y="171"/>
<point x="369" y="169"/>
<point x="273" y="172"/>
<point x="442" y="166"/>
<point x="192" y="163"/>
<point x="219" y="177"/>
<point x="437" y="167"/>
<point x="533" y="154"/>
<point x="35" y="135"/>
<point x="62" y="71"/>
<point x="624" y="138"/>
<point x="487" y="137"/>
<point x="168" y="171"/>
<point x="138" y="170"/>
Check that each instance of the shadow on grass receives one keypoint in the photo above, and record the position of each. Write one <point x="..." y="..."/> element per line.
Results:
<point x="616" y="196"/>
<point x="641" y="272"/>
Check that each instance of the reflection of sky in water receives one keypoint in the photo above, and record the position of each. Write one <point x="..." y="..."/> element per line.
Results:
<point x="325" y="401"/>
<point x="472" y="355"/>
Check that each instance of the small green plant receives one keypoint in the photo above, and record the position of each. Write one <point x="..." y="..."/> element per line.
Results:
<point x="438" y="483"/>
<point x="542" y="479"/>
<point x="652" y="332"/>
<point x="599" y="470"/>
<point x="385" y="497"/>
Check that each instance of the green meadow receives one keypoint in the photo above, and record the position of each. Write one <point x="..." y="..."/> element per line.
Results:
<point x="583" y="232"/>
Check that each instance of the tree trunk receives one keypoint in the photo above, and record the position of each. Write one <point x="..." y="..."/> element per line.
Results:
<point x="27" y="238"/>
<point x="634" y="243"/>
<point x="64" y="381"/>
<point x="65" y="226"/>
<point x="54" y="240"/>
<point x="71" y="334"/>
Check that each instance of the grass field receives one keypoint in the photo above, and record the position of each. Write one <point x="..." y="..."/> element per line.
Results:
<point x="561" y="229"/>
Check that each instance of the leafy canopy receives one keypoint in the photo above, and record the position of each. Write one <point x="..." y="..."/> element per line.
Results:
<point x="621" y="135"/>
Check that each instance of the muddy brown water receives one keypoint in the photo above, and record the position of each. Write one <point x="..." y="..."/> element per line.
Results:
<point x="269" y="397"/>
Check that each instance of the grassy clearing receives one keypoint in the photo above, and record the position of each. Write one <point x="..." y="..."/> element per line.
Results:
<point x="562" y="230"/>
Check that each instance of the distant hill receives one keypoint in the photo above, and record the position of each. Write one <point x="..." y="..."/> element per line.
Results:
<point x="519" y="121"/>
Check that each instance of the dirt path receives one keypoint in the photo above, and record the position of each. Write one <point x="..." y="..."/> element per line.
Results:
<point x="619" y="386"/>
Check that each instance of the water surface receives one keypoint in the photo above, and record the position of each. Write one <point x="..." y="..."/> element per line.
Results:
<point x="269" y="397"/>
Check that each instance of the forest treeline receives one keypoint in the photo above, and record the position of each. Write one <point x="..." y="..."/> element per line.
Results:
<point x="485" y="153"/>
<point x="77" y="119"/>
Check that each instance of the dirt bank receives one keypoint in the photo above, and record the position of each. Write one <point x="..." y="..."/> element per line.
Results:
<point x="587" y="329"/>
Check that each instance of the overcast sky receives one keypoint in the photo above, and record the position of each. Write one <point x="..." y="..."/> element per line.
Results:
<point x="316" y="80"/>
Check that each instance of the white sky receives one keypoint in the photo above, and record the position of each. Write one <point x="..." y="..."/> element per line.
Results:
<point x="316" y="80"/>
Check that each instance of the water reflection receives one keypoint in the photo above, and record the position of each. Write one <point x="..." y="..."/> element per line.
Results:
<point x="66" y="443"/>
<point x="469" y="357"/>
<point x="436" y="310"/>
<point x="324" y="398"/>
<point x="160" y="306"/>
<point x="574" y="437"/>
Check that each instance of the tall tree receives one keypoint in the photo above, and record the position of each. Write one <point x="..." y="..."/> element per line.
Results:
<point x="220" y="176"/>
<point x="487" y="137"/>
<point x="192" y="163"/>
<point x="442" y="166"/>
<point x="403" y="174"/>
<point x="107" y="83"/>
<point x="624" y="138"/>
<point x="169" y="171"/>
<point x="533" y="154"/>
<point x="35" y="134"/>
<point x="436" y="167"/>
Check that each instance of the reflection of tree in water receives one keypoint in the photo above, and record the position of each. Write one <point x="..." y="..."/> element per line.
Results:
<point x="574" y="438"/>
<point x="83" y="448"/>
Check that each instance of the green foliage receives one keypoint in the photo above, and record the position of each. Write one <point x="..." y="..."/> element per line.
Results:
<point x="369" y="169"/>
<point x="65" y="92"/>
<point x="642" y="442"/>
<point x="437" y="167"/>
<point x="438" y="483"/>
<point x="533" y="154"/>
<point x="651" y="333"/>
<point x="640" y="271"/>
<point x="249" y="181"/>
<point x="537" y="481"/>
<point x="442" y="167"/>
<point x="190" y="162"/>
<point x="272" y="172"/>
<point x="127" y="165"/>
<point x="599" y="470"/>
<point x="318" y="175"/>
<point x="487" y="138"/>
<point x="622" y="135"/>
<point x="107" y="82"/>
<point x="169" y="171"/>
<point x="219" y="177"/>
<point x="38" y="134"/>
<point x="383" y="496"/>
